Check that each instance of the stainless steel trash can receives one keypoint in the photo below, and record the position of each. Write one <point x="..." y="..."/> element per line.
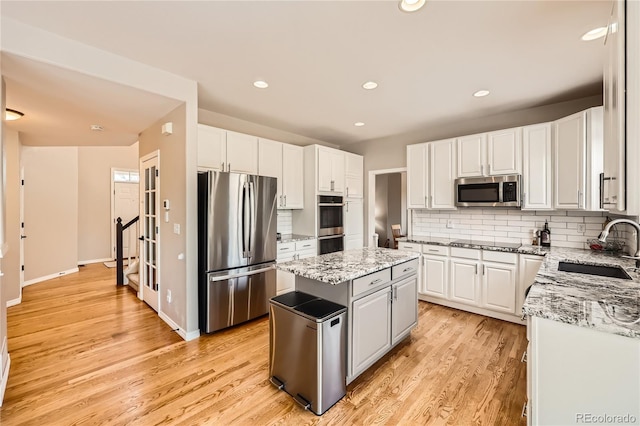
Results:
<point x="308" y="349"/>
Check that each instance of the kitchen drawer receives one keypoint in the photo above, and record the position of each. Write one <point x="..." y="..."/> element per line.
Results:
<point x="371" y="281"/>
<point x="402" y="245"/>
<point x="465" y="253"/>
<point x="306" y="245"/>
<point x="284" y="249"/>
<point x="435" y="250"/>
<point x="500" y="256"/>
<point x="303" y="254"/>
<point x="406" y="268"/>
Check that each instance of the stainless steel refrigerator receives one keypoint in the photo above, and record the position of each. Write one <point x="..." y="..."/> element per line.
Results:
<point x="237" y="247"/>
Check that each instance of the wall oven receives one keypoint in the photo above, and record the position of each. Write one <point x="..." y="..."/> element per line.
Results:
<point x="330" y="224"/>
<point x="493" y="191"/>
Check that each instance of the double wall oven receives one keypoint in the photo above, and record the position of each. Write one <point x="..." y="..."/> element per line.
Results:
<point x="330" y="224"/>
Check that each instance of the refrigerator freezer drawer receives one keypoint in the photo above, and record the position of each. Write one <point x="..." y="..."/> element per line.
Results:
<point x="233" y="298"/>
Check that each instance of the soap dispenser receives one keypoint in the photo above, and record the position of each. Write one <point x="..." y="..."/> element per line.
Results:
<point x="545" y="235"/>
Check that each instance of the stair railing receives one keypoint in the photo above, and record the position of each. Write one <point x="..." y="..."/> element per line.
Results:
<point x="120" y="228"/>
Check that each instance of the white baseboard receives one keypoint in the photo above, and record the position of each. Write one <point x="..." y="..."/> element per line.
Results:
<point x="4" y="379"/>
<point x="49" y="277"/>
<point x="186" y="336"/>
<point x="14" y="302"/>
<point x="87" y="262"/>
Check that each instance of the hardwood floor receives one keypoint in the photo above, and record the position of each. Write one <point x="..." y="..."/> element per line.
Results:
<point x="86" y="352"/>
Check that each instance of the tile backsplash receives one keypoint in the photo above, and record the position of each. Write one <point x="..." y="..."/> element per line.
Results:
<point x="285" y="221"/>
<point x="515" y="225"/>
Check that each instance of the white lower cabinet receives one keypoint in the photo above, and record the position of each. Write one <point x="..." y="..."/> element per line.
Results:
<point x="371" y="329"/>
<point x="499" y="287"/>
<point x="404" y="312"/>
<point x="435" y="281"/>
<point x="286" y="281"/>
<point x="464" y="281"/>
<point x="576" y="374"/>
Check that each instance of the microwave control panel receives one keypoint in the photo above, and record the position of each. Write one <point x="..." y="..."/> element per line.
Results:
<point x="509" y="192"/>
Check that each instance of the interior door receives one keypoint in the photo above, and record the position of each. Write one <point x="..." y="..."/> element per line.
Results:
<point x="149" y="270"/>
<point x="126" y="205"/>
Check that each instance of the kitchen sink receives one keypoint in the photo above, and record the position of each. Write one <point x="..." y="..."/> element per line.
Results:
<point x="601" y="270"/>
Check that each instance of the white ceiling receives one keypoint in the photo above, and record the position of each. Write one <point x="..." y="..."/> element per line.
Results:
<point x="315" y="56"/>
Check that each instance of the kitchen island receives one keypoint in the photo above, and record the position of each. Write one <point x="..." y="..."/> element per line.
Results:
<point x="379" y="289"/>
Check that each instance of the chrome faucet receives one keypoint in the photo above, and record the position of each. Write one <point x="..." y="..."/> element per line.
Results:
<point x="605" y="232"/>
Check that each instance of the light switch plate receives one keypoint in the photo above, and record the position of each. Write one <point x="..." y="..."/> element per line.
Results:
<point x="176" y="228"/>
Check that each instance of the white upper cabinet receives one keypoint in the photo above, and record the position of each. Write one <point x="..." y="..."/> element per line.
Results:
<point x="503" y="152"/>
<point x="442" y="174"/>
<point x="431" y="175"/>
<point x="471" y="155"/>
<point x="578" y="160"/>
<point x="536" y="167"/>
<point x="487" y="154"/>
<point x="330" y="170"/>
<point x="242" y="153"/>
<point x="354" y="175"/>
<point x="212" y="147"/>
<point x="227" y="151"/>
<point x="614" y="182"/>
<point x="293" y="176"/>
<point x="417" y="176"/>
<point x="285" y="162"/>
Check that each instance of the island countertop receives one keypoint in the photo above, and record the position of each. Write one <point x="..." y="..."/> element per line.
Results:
<point x="338" y="267"/>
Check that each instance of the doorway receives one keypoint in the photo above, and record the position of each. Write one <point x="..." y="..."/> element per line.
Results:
<point x="387" y="205"/>
<point x="125" y="204"/>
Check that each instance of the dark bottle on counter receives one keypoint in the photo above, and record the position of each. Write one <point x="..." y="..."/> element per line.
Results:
<point x="545" y="236"/>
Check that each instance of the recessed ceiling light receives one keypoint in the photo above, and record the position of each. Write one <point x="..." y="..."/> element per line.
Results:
<point x="594" y="34"/>
<point x="370" y="85"/>
<point x="97" y="128"/>
<point x="411" y="5"/>
<point x="261" y="84"/>
<point x="358" y="124"/>
<point x="481" y="93"/>
<point x="12" y="114"/>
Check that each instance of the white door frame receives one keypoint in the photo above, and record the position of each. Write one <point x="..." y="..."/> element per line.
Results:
<point x="371" y="202"/>
<point x="21" y="229"/>
<point x="113" y="207"/>
<point x="141" y="260"/>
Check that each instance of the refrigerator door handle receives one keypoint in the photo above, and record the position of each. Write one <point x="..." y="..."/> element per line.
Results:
<point x="246" y="214"/>
<point x="252" y="222"/>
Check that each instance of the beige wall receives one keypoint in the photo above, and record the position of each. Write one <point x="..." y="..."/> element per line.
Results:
<point x="173" y="182"/>
<point x="389" y="153"/>
<point x="95" y="197"/>
<point x="11" y="260"/>
<point x="50" y="210"/>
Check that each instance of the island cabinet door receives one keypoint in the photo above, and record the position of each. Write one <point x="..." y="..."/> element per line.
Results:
<point x="404" y="308"/>
<point x="371" y="329"/>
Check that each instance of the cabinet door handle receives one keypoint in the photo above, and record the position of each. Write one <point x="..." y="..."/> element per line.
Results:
<point x="484" y="269"/>
<point x="347" y="191"/>
<point x="579" y="198"/>
<point x="426" y="201"/>
<point x="374" y="282"/>
<point x="285" y="200"/>
<point x="524" y="357"/>
<point x="434" y="250"/>
<point x="222" y="166"/>
<point x="481" y="169"/>
<point x="430" y="200"/>
<point x="476" y="265"/>
<point x="407" y="269"/>
<point x="524" y="409"/>
<point x="347" y="206"/>
<point x="489" y="169"/>
<point x="524" y="198"/>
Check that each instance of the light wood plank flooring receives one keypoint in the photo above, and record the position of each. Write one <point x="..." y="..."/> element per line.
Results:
<point x="86" y="352"/>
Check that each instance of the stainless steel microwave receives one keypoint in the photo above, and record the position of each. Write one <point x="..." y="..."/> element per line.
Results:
<point x="493" y="191"/>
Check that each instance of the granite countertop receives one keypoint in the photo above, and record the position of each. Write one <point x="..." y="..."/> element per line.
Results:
<point x="335" y="268"/>
<point x="477" y="244"/>
<point x="605" y="304"/>
<point x="290" y="238"/>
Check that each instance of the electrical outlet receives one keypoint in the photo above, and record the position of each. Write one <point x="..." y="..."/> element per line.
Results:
<point x="176" y="228"/>
<point x="582" y="227"/>
<point x="449" y="223"/>
<point x="168" y="296"/>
